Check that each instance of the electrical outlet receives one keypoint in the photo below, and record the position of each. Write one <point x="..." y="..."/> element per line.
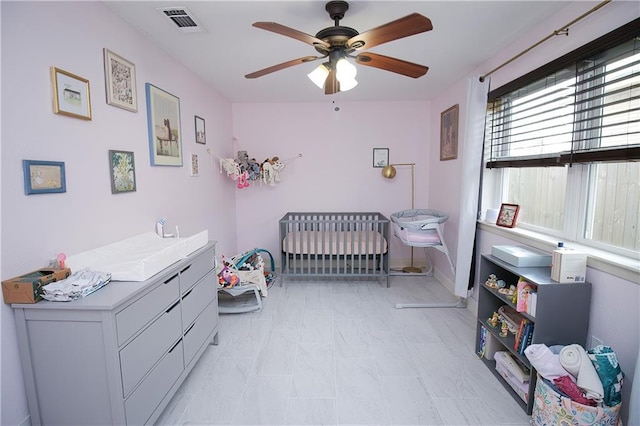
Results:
<point x="595" y="341"/>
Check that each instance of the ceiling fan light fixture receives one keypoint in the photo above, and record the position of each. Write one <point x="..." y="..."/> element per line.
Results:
<point x="346" y="74"/>
<point x="347" y="84"/>
<point x="319" y="75"/>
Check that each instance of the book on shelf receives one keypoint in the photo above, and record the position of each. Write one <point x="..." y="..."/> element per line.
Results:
<point x="526" y="338"/>
<point x="533" y="302"/>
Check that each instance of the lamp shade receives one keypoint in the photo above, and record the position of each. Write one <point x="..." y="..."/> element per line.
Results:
<point x="319" y="75"/>
<point x="389" y="172"/>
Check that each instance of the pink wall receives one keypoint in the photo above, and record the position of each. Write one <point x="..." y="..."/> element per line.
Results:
<point x="71" y="36"/>
<point x="335" y="171"/>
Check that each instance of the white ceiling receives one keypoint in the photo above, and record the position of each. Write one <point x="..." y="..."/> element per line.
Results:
<point x="465" y="34"/>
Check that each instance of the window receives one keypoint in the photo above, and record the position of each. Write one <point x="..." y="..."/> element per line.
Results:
<point x="563" y="142"/>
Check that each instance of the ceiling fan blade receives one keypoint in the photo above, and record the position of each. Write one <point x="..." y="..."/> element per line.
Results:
<point x="290" y="32"/>
<point x="391" y="64"/>
<point x="403" y="27"/>
<point x="331" y="84"/>
<point x="282" y="66"/>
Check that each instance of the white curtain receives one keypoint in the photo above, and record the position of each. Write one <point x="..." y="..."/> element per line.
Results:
<point x="471" y="169"/>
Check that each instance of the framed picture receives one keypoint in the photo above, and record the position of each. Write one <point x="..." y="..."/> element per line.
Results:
<point x="508" y="215"/>
<point x="70" y="94"/>
<point x="201" y="136"/>
<point x="42" y="177"/>
<point x="120" y="81"/>
<point x="123" y="171"/>
<point x="380" y="157"/>
<point x="449" y="134"/>
<point x="163" y="119"/>
<point x="194" y="165"/>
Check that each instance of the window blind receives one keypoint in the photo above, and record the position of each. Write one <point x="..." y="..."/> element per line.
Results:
<point x="586" y="109"/>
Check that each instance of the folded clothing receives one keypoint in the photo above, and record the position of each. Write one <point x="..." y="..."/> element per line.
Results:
<point x="545" y="361"/>
<point x="77" y="285"/>
<point x="567" y="386"/>
<point x="575" y="360"/>
<point x="611" y="376"/>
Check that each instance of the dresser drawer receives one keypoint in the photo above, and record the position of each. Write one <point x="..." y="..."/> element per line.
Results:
<point x="196" y="299"/>
<point x="199" y="332"/>
<point x="191" y="274"/>
<point x="132" y="318"/>
<point x="143" y="402"/>
<point x="137" y="358"/>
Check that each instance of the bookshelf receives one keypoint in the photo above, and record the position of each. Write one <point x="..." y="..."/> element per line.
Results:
<point x="561" y="316"/>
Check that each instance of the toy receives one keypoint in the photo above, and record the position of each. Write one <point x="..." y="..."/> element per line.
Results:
<point x="492" y="281"/>
<point x="493" y="321"/>
<point x="226" y="277"/>
<point x="504" y="329"/>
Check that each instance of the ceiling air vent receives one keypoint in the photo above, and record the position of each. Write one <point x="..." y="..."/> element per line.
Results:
<point x="183" y="18"/>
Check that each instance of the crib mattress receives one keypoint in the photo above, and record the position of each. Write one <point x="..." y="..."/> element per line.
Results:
<point x="335" y="243"/>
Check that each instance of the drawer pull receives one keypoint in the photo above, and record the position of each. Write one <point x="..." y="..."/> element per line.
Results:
<point x="171" y="279"/>
<point x="189" y="329"/>
<point x="187" y="293"/>
<point x="185" y="269"/>
<point x="174" y="346"/>
<point x="173" y="306"/>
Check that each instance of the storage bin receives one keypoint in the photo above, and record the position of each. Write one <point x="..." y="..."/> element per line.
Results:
<point x="551" y="409"/>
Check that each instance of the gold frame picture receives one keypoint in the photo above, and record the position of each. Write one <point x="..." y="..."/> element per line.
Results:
<point x="71" y="95"/>
<point x="449" y="134"/>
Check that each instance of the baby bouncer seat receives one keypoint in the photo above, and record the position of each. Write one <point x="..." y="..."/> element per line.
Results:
<point x="422" y="228"/>
<point x="243" y="282"/>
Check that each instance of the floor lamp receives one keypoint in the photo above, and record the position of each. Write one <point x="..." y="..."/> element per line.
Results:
<point x="389" y="172"/>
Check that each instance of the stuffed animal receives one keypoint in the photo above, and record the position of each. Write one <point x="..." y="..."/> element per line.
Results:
<point x="226" y="277"/>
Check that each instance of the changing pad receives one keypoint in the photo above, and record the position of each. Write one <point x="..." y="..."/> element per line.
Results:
<point x="137" y="258"/>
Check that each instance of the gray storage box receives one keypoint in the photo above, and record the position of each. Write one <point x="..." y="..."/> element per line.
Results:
<point x="521" y="256"/>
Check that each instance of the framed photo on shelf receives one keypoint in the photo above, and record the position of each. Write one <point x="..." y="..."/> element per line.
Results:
<point x="194" y="165"/>
<point x="508" y="215"/>
<point x="449" y="134"/>
<point x="70" y="94"/>
<point x="201" y="136"/>
<point x="43" y="177"/>
<point x="123" y="171"/>
<point x="120" y="81"/>
<point x="380" y="157"/>
<point x="163" y="121"/>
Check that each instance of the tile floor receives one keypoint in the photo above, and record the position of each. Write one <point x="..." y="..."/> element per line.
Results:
<point x="340" y="353"/>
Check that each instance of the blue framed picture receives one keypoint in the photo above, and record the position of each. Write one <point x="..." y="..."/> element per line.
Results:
<point x="163" y="120"/>
<point x="43" y="177"/>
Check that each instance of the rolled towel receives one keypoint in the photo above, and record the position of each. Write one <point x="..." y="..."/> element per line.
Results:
<point x="606" y="364"/>
<point x="575" y="360"/>
<point x="545" y="361"/>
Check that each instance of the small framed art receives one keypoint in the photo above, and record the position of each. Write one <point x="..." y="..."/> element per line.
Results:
<point x="120" y="81"/>
<point x="194" y="165"/>
<point x="508" y="215"/>
<point x="123" y="171"/>
<point x="380" y="157"/>
<point x="201" y="136"/>
<point x="163" y="120"/>
<point x="43" y="177"/>
<point x="449" y="134"/>
<point x="71" y="95"/>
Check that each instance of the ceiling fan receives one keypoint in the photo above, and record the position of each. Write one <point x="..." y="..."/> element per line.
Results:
<point x="338" y="42"/>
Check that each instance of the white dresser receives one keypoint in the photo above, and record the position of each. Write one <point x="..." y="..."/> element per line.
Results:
<point x="118" y="355"/>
